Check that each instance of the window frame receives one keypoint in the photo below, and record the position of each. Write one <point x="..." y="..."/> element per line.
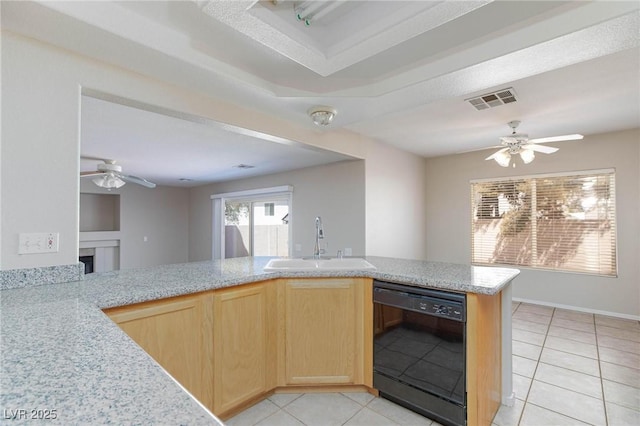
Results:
<point x="284" y="192"/>
<point x="532" y="177"/>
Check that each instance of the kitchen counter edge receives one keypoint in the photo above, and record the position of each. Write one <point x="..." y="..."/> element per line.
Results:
<point x="60" y="350"/>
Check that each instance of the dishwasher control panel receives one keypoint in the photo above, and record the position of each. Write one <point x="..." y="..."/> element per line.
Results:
<point x="436" y="307"/>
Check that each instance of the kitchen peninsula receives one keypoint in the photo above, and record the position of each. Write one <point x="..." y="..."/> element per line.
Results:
<point x="61" y="353"/>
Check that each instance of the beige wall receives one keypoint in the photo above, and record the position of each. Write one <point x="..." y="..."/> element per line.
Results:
<point x="449" y="230"/>
<point x="99" y="212"/>
<point x="160" y="214"/>
<point x="335" y="192"/>
<point x="396" y="202"/>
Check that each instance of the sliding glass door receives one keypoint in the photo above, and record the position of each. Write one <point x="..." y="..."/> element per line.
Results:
<point x="256" y="227"/>
<point x="255" y="222"/>
<point x="270" y="230"/>
<point x="237" y="224"/>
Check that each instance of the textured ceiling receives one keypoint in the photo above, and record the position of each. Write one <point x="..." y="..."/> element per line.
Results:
<point x="350" y="33"/>
<point x="174" y="149"/>
<point x="401" y="76"/>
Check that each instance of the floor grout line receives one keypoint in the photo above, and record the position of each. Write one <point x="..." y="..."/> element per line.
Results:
<point x="604" y="403"/>
<point x="553" y="411"/>
<point x="526" y="401"/>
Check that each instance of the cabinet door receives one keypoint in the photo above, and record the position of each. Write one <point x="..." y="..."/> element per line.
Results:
<point x="244" y="350"/>
<point x="177" y="334"/>
<point x="324" y="331"/>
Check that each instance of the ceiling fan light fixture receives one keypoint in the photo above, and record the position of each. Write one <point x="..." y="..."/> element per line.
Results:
<point x="322" y="115"/>
<point x="503" y="158"/>
<point x="519" y="143"/>
<point x="109" y="175"/>
<point x="527" y="155"/>
<point x="108" y="181"/>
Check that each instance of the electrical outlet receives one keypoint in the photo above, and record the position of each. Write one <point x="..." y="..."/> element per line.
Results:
<point x="298" y="247"/>
<point x="42" y="242"/>
<point x="348" y="251"/>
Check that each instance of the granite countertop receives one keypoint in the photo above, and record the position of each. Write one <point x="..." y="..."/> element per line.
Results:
<point x="59" y="351"/>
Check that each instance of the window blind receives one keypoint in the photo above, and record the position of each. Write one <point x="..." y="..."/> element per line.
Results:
<point x="563" y="222"/>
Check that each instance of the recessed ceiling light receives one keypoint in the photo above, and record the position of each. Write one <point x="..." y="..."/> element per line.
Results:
<point x="244" y="166"/>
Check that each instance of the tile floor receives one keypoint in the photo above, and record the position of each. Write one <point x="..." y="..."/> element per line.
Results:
<point x="569" y="368"/>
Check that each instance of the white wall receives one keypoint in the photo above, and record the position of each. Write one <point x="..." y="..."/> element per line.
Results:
<point x="449" y="214"/>
<point x="395" y="203"/>
<point x="40" y="147"/>
<point x="41" y="88"/>
<point x="160" y="214"/>
<point x="39" y="154"/>
<point x="334" y="191"/>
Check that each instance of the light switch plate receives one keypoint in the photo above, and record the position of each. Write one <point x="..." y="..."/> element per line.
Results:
<point x="41" y="242"/>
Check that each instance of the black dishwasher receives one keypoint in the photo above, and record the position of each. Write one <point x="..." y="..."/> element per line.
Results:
<point x="419" y="350"/>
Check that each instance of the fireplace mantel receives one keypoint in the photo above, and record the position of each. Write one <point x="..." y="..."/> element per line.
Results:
<point x="104" y="246"/>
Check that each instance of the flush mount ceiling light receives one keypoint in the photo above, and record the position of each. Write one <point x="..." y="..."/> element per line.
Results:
<point x="322" y="115"/>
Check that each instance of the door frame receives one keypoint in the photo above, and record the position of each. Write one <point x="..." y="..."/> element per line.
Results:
<point x="218" y="203"/>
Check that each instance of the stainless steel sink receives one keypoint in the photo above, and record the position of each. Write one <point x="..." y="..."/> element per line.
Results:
<point x="297" y="264"/>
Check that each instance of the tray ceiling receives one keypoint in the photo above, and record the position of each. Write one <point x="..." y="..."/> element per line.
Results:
<point x="396" y="71"/>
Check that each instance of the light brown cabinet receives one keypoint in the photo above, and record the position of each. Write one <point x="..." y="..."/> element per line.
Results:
<point x="232" y="347"/>
<point x="177" y="333"/>
<point x="325" y="326"/>
<point x="244" y="339"/>
<point x="484" y="358"/>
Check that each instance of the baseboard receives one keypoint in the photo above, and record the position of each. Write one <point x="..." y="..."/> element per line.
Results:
<point x="578" y="308"/>
<point x="324" y="389"/>
<point x="510" y="400"/>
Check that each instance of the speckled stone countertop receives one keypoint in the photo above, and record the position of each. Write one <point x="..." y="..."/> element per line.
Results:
<point x="58" y="351"/>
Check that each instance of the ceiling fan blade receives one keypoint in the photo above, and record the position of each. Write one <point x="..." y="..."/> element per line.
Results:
<point x="138" y="180"/>
<point x="492" y="156"/>
<point x="480" y="149"/>
<point x="91" y="174"/>
<point x="540" y="148"/>
<point x="92" y="158"/>
<point x="557" y="138"/>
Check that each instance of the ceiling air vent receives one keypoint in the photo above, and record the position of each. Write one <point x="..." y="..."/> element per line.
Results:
<point x="494" y="99"/>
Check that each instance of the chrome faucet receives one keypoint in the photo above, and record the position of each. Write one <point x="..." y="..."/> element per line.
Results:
<point x="319" y="236"/>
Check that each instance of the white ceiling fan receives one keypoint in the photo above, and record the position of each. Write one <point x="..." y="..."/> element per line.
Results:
<point x="109" y="175"/>
<point x="519" y="143"/>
